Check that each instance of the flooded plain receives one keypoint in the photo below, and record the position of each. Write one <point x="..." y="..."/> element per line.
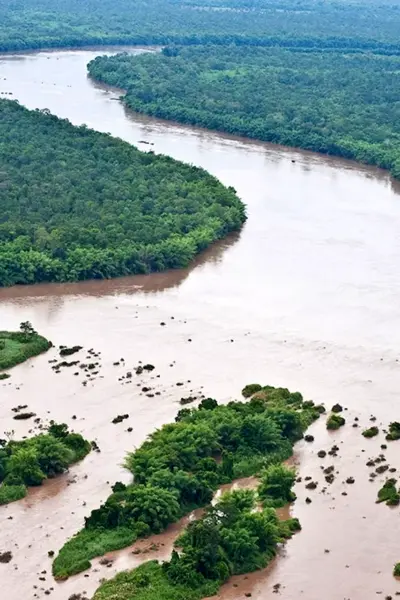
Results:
<point x="305" y="297"/>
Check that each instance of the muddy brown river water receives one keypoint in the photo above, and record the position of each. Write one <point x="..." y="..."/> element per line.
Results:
<point x="306" y="297"/>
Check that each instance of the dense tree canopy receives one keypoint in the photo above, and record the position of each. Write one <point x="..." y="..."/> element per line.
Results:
<point x="76" y="204"/>
<point x="230" y="538"/>
<point x="31" y="461"/>
<point x="336" y="103"/>
<point x="305" y="23"/>
<point x="180" y="466"/>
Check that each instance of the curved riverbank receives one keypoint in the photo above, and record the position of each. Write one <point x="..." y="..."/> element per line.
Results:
<point x="307" y="291"/>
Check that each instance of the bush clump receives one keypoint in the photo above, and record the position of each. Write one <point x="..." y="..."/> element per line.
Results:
<point x="388" y="493"/>
<point x="181" y="465"/>
<point x="251" y="389"/>
<point x="396" y="570"/>
<point x="276" y="486"/>
<point x="335" y="421"/>
<point x="394" y="431"/>
<point x="29" y="462"/>
<point x="370" y="432"/>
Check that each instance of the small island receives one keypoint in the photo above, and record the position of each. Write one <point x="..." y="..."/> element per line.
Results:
<point x="29" y="462"/>
<point x="17" y="346"/>
<point x="181" y="465"/>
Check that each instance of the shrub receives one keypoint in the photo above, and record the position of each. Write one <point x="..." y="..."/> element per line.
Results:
<point x="335" y="421"/>
<point x="371" y="432"/>
<point x="388" y="493"/>
<point x="251" y="389"/>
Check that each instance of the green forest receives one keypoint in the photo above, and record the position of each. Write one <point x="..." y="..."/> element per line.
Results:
<point x="302" y="23"/>
<point x="345" y="104"/>
<point x="29" y="462"/>
<point x="182" y="464"/>
<point x="77" y="204"/>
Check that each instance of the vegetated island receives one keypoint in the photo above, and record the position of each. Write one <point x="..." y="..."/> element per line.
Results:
<point x="77" y="204"/>
<point x="306" y="24"/>
<point x="337" y="103"/>
<point x="18" y="346"/>
<point x="29" y="462"/>
<point x="231" y="538"/>
<point x="182" y="464"/>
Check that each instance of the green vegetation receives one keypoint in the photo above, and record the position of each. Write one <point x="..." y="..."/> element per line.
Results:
<point x="306" y="24"/>
<point x="396" y="570"/>
<point x="370" y="432"/>
<point x="29" y="462"/>
<point x="275" y="489"/>
<point x="77" y="204"/>
<point x="330" y="102"/>
<point x="335" y="421"/>
<point x="388" y="493"/>
<point x="181" y="465"/>
<point x="229" y="539"/>
<point x="18" y="346"/>
<point x="394" y="431"/>
<point x="251" y="389"/>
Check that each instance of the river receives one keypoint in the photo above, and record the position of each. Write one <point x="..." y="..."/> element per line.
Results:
<point x="305" y="297"/>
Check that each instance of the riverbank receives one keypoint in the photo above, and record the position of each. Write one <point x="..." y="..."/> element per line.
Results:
<point x="243" y="91"/>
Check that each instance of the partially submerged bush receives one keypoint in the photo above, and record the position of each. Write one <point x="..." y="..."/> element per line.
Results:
<point x="388" y="493"/>
<point x="394" y="431"/>
<point x="335" y="421"/>
<point x="396" y="570"/>
<point x="370" y="432"/>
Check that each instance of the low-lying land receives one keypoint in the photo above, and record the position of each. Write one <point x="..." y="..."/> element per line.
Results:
<point x="29" y="462"/>
<point x="231" y="538"/>
<point x="181" y="465"/>
<point x="77" y="204"/>
<point x="339" y="103"/>
<point x="18" y="346"/>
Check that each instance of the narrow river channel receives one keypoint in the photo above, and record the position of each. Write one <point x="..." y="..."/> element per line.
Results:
<point x="305" y="297"/>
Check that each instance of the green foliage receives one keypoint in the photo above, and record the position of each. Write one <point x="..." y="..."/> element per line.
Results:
<point x="77" y="204"/>
<point x="335" y="421"/>
<point x="396" y="570"/>
<point x="18" y="346"/>
<point x="394" y="431"/>
<point x="251" y="389"/>
<point x="388" y="493"/>
<point x="370" y="432"/>
<point x="230" y="538"/>
<point x="307" y="24"/>
<point x="332" y="102"/>
<point x="276" y="486"/>
<point x="29" y="462"/>
<point x="181" y="465"/>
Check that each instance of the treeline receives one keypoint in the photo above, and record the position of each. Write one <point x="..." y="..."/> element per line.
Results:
<point x="231" y="538"/>
<point x="304" y="23"/>
<point x="182" y="464"/>
<point x="335" y="103"/>
<point x="77" y="204"/>
<point x="29" y="462"/>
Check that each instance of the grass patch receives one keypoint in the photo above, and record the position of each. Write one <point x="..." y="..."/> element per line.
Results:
<point x="18" y="346"/>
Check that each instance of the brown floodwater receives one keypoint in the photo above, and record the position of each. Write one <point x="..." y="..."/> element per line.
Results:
<point x="306" y="296"/>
